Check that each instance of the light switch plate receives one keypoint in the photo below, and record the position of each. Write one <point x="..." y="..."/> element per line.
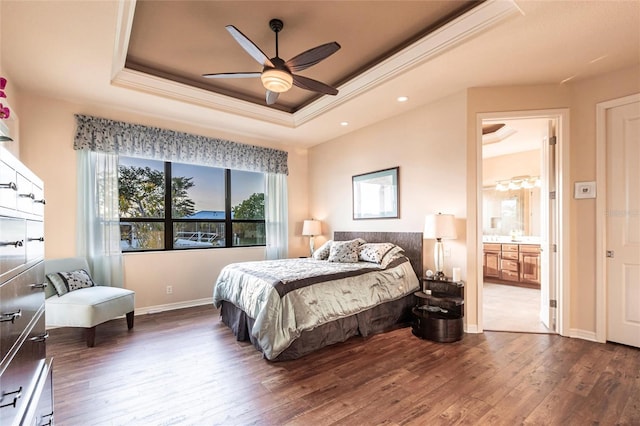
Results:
<point x="584" y="190"/>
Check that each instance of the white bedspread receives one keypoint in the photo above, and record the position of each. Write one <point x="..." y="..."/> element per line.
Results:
<point x="279" y="320"/>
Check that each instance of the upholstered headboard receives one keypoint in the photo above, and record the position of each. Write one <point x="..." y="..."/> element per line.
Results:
<point x="411" y="242"/>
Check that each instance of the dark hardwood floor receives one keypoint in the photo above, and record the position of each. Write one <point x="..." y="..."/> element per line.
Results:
<point x="184" y="367"/>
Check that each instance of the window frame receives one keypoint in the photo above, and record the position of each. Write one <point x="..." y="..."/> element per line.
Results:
<point x="169" y="221"/>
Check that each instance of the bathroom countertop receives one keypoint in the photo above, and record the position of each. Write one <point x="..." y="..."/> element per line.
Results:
<point x="507" y="240"/>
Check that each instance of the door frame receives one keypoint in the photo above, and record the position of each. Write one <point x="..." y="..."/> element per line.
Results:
<point x="563" y="199"/>
<point x="601" y="210"/>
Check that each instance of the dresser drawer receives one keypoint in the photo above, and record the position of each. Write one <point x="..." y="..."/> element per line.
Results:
<point x="510" y="247"/>
<point x="17" y="381"/>
<point x="19" y="303"/>
<point x="509" y="265"/>
<point x="30" y="196"/>
<point x="40" y="410"/>
<point x="12" y="245"/>
<point x="35" y="240"/>
<point x="8" y="186"/>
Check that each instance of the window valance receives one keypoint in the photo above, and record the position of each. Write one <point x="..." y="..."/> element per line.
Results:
<point x="117" y="137"/>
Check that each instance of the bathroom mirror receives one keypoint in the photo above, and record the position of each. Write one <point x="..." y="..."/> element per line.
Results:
<point x="509" y="213"/>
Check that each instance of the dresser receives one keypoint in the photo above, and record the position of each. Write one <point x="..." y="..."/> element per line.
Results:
<point x="26" y="386"/>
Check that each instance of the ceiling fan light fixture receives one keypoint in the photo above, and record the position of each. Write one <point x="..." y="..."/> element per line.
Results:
<point x="276" y="80"/>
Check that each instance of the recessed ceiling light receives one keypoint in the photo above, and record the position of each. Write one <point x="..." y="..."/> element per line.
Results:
<point x="344" y="123"/>
<point x="403" y="98"/>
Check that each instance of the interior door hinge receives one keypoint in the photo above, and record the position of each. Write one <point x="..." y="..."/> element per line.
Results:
<point x="553" y="303"/>
<point x="555" y="248"/>
<point x="610" y="253"/>
<point x="552" y="195"/>
<point x="553" y="140"/>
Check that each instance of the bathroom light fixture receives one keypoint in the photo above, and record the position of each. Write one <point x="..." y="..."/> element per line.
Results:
<point x="518" y="182"/>
<point x="403" y="98"/>
<point x="276" y="80"/>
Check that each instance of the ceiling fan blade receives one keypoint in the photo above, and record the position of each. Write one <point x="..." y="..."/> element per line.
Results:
<point x="272" y="97"/>
<point x="312" y="56"/>
<point x="249" y="46"/>
<point x="313" y="85"/>
<point x="233" y="75"/>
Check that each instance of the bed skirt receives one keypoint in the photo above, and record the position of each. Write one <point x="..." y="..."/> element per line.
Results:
<point x="381" y="318"/>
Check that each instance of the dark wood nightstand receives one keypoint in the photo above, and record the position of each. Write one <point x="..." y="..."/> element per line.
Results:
<point x="440" y="309"/>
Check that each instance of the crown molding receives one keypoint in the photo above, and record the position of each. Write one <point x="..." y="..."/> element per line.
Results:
<point x="472" y="23"/>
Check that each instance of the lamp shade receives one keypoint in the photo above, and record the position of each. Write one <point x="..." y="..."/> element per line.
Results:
<point x="311" y="227"/>
<point x="440" y="226"/>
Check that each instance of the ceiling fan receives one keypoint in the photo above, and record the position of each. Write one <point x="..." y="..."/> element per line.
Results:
<point x="277" y="75"/>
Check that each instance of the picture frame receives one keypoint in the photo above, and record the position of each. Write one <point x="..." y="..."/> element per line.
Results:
<point x="375" y="195"/>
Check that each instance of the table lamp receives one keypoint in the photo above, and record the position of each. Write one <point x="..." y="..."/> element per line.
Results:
<point x="439" y="226"/>
<point x="311" y="228"/>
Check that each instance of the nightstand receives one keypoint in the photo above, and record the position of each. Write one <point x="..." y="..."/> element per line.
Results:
<point x="440" y="309"/>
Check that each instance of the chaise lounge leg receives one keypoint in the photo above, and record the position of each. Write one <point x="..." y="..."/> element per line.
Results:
<point x="91" y="337"/>
<point x="130" y="320"/>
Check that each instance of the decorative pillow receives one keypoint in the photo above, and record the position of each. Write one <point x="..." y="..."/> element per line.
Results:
<point x="322" y="253"/>
<point x="392" y="255"/>
<point x="344" y="251"/>
<point x="64" y="282"/>
<point x="374" y="252"/>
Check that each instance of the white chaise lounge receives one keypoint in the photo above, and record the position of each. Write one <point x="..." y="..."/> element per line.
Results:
<point x="85" y="307"/>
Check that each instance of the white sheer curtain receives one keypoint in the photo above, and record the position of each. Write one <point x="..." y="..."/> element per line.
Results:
<point x="275" y="215"/>
<point x="98" y="221"/>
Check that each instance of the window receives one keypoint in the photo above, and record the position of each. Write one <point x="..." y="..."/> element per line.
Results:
<point x="208" y="207"/>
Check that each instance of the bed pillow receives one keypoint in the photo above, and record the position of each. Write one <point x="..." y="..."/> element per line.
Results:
<point x="322" y="253"/>
<point x="64" y="282"/>
<point x="374" y="252"/>
<point x="392" y="255"/>
<point x="344" y="251"/>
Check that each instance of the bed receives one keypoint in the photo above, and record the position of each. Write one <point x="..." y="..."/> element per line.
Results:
<point x="287" y="309"/>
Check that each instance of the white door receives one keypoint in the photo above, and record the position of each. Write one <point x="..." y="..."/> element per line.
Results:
<point x="623" y="224"/>
<point x="548" y="228"/>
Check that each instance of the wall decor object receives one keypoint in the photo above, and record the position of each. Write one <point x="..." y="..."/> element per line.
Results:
<point x="375" y="195"/>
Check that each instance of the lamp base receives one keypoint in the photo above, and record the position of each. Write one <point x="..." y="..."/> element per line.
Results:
<point x="439" y="275"/>
<point x="438" y="259"/>
<point x="311" y="246"/>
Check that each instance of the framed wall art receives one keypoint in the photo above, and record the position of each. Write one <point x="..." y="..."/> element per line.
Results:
<point x="375" y="195"/>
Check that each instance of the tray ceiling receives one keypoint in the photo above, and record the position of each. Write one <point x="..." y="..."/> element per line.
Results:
<point x="181" y="40"/>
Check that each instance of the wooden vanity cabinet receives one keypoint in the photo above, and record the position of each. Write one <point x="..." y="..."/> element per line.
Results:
<point x="491" y="260"/>
<point x="530" y="264"/>
<point x="516" y="264"/>
<point x="509" y="263"/>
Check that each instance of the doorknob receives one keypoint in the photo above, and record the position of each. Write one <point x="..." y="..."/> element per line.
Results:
<point x="610" y="253"/>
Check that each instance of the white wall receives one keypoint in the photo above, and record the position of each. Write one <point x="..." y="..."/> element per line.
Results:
<point x="428" y="144"/>
<point x="435" y="147"/>
<point x="47" y="148"/>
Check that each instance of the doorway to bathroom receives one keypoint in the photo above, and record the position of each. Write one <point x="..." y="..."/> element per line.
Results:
<point x="519" y="223"/>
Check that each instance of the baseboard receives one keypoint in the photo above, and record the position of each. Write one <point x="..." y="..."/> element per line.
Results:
<point x="471" y="328"/>
<point x="177" y="305"/>
<point x="162" y="308"/>
<point x="583" y="334"/>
